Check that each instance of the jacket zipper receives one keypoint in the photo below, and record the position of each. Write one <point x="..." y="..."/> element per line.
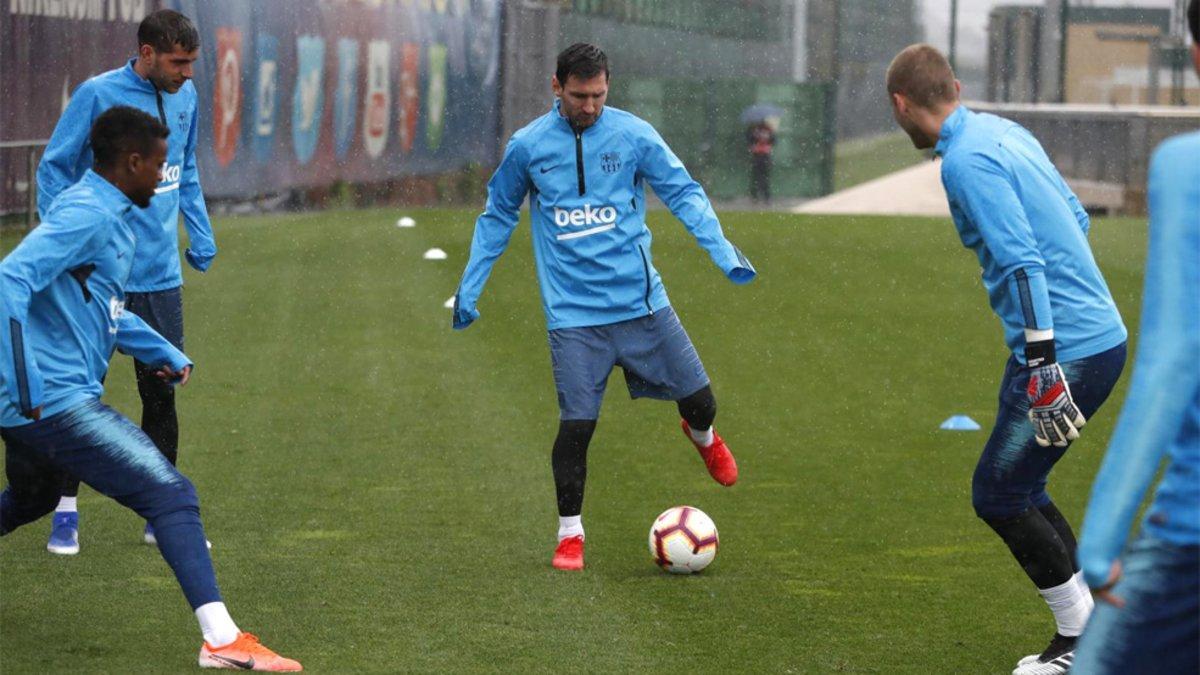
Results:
<point x="162" y="114"/>
<point x="646" y="267"/>
<point x="579" y="161"/>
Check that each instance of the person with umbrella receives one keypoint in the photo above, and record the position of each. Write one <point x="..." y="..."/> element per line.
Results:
<point x="762" y="120"/>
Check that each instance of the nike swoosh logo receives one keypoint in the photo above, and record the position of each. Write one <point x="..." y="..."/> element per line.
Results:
<point x="244" y="665"/>
<point x="546" y="169"/>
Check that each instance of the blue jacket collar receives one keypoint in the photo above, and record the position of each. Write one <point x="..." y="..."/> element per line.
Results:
<point x="113" y="199"/>
<point x="950" y="128"/>
<point x="137" y="80"/>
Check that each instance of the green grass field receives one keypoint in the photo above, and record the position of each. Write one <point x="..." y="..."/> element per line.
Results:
<point x="862" y="159"/>
<point x="378" y="490"/>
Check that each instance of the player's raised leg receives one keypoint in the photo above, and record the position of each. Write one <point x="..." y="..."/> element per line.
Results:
<point x="114" y="457"/>
<point x="698" y="412"/>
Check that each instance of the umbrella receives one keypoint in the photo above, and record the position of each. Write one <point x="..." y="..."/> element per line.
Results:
<point x="760" y="112"/>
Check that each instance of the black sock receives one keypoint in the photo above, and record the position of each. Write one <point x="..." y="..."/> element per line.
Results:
<point x="569" y="461"/>
<point x="1036" y="545"/>
<point x="1059" y="522"/>
<point x="699" y="409"/>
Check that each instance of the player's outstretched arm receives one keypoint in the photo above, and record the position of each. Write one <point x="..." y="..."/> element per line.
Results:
<point x="62" y="163"/>
<point x="137" y="339"/>
<point x="493" y="229"/>
<point x="54" y="247"/>
<point x="1166" y="380"/>
<point x="688" y="202"/>
<point x="202" y="246"/>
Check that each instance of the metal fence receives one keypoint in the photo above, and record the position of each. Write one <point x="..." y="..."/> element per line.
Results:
<point x="18" y="166"/>
<point x="1103" y="151"/>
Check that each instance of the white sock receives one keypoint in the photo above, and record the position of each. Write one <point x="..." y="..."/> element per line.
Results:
<point x="216" y="624"/>
<point x="66" y="505"/>
<point x="570" y="526"/>
<point x="1071" y="606"/>
<point x="1087" y="592"/>
<point x="703" y="438"/>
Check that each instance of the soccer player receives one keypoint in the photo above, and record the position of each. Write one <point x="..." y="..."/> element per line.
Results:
<point x="157" y="81"/>
<point x="63" y="315"/>
<point x="586" y="167"/>
<point x="1151" y="621"/>
<point x="1029" y="231"/>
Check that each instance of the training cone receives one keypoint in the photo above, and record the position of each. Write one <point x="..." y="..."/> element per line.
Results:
<point x="960" y="423"/>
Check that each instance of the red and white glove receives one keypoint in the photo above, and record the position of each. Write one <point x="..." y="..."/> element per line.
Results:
<point x="1055" y="417"/>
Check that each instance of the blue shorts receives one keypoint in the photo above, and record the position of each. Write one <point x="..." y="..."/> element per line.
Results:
<point x="654" y="351"/>
<point x="162" y="311"/>
<point x="1158" y="630"/>
<point x="1010" y="477"/>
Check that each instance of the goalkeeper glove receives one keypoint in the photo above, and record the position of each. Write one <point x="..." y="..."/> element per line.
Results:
<point x="1055" y="417"/>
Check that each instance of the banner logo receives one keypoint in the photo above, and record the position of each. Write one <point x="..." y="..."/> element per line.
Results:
<point x="346" y="99"/>
<point x="266" y="96"/>
<point x="435" y="96"/>
<point x="377" y="103"/>
<point x="227" y="95"/>
<point x="410" y="94"/>
<point x="308" y="97"/>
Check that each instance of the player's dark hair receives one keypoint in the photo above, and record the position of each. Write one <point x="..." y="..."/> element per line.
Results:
<point x="122" y="130"/>
<point x="582" y="60"/>
<point x="1193" y="14"/>
<point x="923" y="75"/>
<point x="166" y="28"/>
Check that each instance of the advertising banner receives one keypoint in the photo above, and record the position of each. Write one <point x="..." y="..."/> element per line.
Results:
<point x="292" y="93"/>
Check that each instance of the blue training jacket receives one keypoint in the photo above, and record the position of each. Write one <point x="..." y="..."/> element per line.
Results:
<point x="1029" y="231"/>
<point x="1161" y="416"/>
<point x="61" y="305"/>
<point x="69" y="155"/>
<point x="588" y="212"/>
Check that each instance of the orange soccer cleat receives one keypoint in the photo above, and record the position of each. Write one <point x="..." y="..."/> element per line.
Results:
<point x="569" y="554"/>
<point x="718" y="459"/>
<point x="245" y="653"/>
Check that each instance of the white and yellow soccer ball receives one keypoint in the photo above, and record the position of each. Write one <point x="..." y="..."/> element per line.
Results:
<point x="683" y="540"/>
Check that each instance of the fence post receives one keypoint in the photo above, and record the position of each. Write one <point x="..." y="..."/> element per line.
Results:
<point x="31" y="190"/>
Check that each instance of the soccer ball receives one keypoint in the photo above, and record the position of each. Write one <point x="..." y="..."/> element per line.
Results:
<point x="683" y="540"/>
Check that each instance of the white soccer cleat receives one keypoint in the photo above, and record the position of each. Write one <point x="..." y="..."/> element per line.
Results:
<point x="1055" y="660"/>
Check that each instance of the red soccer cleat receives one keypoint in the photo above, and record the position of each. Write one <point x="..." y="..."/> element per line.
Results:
<point x="718" y="459"/>
<point x="569" y="554"/>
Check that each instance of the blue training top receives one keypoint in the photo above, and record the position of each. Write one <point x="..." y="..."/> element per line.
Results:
<point x="588" y="206"/>
<point x="1028" y="229"/>
<point x="69" y="155"/>
<point x="62" y="301"/>
<point x="1162" y="411"/>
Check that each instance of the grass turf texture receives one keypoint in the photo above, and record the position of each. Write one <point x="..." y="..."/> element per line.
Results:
<point x="378" y="488"/>
<point x="862" y="159"/>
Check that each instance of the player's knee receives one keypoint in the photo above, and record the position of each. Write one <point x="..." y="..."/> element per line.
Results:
<point x="990" y="502"/>
<point x="575" y="433"/>
<point x="172" y="496"/>
<point x="699" y="409"/>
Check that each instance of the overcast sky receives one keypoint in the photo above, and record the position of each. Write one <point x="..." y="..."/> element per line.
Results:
<point x="972" y="21"/>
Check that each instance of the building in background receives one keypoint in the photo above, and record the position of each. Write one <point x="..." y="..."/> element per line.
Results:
<point x="1063" y="53"/>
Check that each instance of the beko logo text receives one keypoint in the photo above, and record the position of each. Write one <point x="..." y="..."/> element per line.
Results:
<point x="588" y="215"/>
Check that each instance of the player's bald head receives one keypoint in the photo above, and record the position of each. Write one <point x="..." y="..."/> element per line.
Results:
<point x="923" y="75"/>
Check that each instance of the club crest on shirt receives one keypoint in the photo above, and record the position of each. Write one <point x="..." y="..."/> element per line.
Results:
<point x="610" y="162"/>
